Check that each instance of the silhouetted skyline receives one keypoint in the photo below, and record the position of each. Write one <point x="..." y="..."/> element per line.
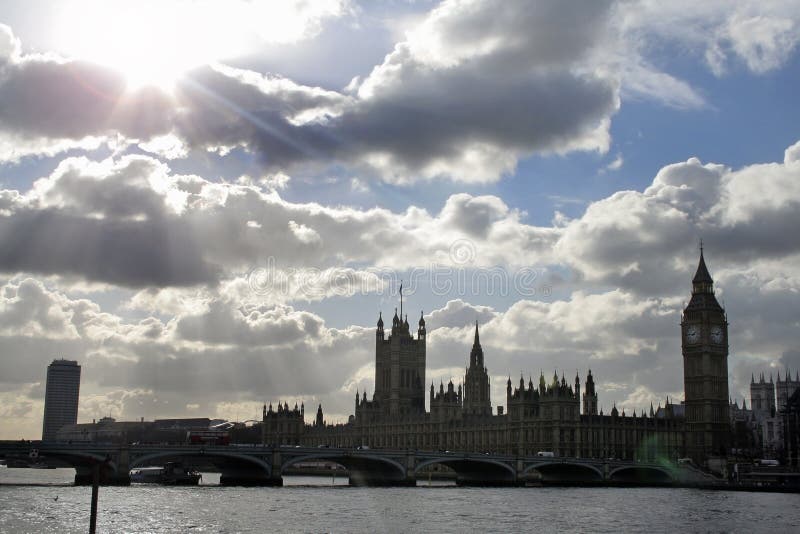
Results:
<point x="208" y="208"/>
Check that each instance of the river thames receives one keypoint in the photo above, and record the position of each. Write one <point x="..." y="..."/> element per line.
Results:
<point x="39" y="501"/>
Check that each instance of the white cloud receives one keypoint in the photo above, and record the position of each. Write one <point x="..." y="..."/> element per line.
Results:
<point x="761" y="34"/>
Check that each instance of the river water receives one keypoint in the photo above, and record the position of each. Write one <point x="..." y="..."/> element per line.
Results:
<point x="40" y="501"/>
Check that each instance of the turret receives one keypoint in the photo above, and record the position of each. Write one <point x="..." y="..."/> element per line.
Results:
<point x="421" y="329"/>
<point x="589" y="396"/>
<point x="379" y="331"/>
<point x="319" y="420"/>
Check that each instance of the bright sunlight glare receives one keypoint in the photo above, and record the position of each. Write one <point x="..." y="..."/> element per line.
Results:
<point x="154" y="42"/>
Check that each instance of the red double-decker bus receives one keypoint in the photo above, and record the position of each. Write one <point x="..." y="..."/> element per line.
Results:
<point x="208" y="437"/>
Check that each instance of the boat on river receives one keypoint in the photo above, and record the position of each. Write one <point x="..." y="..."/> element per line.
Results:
<point x="170" y="474"/>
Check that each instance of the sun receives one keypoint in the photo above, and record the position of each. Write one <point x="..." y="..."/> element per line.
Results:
<point x="149" y="42"/>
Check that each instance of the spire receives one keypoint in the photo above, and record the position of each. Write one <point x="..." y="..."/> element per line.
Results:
<point x="702" y="281"/>
<point x="476" y="355"/>
<point x="380" y="320"/>
<point x="421" y="319"/>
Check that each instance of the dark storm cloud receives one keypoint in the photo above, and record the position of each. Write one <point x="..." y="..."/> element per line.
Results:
<point x="460" y="98"/>
<point x="46" y="98"/>
<point x="123" y="253"/>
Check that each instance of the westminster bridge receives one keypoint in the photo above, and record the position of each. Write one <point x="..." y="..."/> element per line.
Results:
<point x="256" y="465"/>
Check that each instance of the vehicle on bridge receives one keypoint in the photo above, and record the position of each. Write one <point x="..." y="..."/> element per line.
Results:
<point x="545" y="454"/>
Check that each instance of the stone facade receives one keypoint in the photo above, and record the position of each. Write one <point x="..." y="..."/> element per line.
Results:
<point x="768" y="400"/>
<point x="784" y="389"/>
<point x="544" y="417"/>
<point x="283" y="426"/>
<point x="704" y="328"/>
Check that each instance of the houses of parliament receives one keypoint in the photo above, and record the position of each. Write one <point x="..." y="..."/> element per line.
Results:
<point x="555" y="414"/>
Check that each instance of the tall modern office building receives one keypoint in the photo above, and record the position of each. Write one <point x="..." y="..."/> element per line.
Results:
<point x="61" y="397"/>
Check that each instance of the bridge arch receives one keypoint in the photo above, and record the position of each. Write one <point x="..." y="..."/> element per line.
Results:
<point x="565" y="471"/>
<point x="206" y="456"/>
<point x="343" y="459"/>
<point x="80" y="461"/>
<point x="474" y="471"/>
<point x="641" y="474"/>
<point x="365" y="469"/>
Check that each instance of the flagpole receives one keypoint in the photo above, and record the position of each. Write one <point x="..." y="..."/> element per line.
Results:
<point x="401" y="301"/>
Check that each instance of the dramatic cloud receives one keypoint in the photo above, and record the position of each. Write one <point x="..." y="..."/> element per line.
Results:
<point x="745" y="215"/>
<point x="269" y="352"/>
<point x="507" y="91"/>
<point x="472" y="88"/>
<point x="183" y="294"/>
<point x="129" y="222"/>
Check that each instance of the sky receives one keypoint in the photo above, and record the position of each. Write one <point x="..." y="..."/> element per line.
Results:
<point x="208" y="204"/>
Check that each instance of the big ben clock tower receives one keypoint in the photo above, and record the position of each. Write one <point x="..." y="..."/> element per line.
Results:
<point x="704" y="329"/>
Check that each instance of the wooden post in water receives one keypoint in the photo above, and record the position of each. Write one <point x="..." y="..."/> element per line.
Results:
<point x="95" y="487"/>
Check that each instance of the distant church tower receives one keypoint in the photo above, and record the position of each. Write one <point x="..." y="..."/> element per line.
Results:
<point x="400" y="367"/>
<point x="704" y="328"/>
<point x="476" y="382"/>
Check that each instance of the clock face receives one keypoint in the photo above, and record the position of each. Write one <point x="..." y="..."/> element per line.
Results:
<point x="716" y="334"/>
<point x="693" y="334"/>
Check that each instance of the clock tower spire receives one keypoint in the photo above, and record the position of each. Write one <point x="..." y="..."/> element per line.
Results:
<point x="704" y="329"/>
